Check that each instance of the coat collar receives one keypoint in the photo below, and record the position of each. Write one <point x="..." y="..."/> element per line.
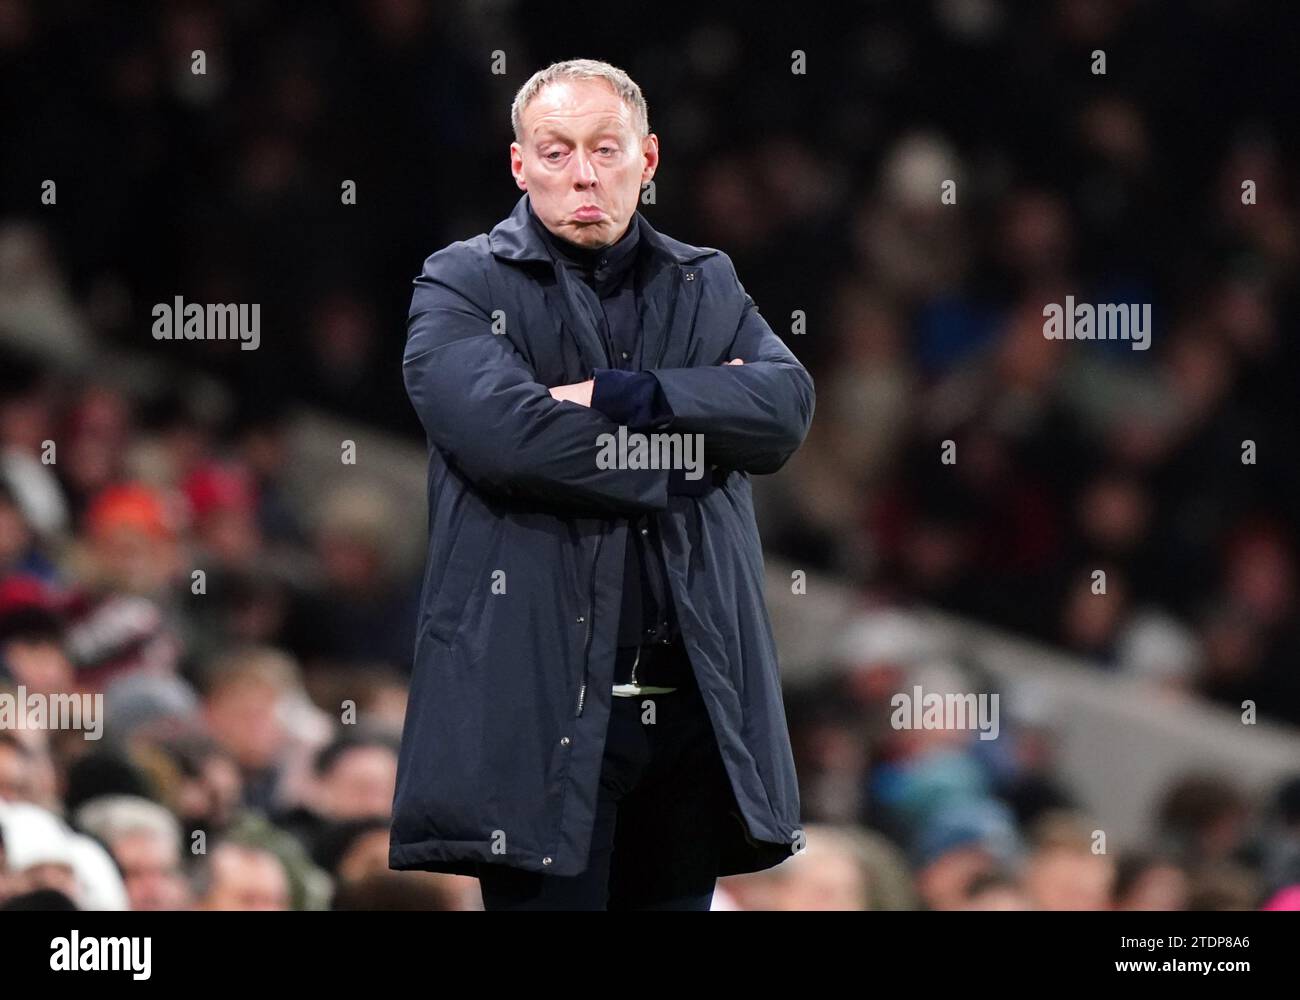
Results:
<point x="513" y="238"/>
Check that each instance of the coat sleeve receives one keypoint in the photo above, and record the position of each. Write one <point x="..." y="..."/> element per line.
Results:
<point x="753" y="416"/>
<point x="482" y="406"/>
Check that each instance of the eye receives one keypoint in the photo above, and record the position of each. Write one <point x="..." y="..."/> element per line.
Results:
<point x="553" y="155"/>
<point x="605" y="149"/>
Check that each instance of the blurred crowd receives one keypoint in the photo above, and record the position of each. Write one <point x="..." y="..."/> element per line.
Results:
<point x="944" y="819"/>
<point x="252" y="710"/>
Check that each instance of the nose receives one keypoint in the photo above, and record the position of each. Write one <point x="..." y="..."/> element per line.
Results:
<point x="585" y="175"/>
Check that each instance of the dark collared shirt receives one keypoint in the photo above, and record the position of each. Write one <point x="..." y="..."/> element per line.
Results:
<point x="627" y="396"/>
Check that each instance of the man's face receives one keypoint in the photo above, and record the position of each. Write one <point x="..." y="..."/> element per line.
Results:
<point x="360" y="784"/>
<point x="1063" y="878"/>
<point x="247" y="879"/>
<point x="151" y="869"/>
<point x="581" y="161"/>
<point x="39" y="664"/>
<point x="244" y="718"/>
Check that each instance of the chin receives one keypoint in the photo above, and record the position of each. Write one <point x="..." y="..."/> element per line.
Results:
<point x="590" y="235"/>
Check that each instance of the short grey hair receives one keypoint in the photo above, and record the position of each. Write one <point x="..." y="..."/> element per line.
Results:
<point x="109" y="817"/>
<point x="582" y="69"/>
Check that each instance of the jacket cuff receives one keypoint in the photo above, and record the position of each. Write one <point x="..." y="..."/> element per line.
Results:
<point x="634" y="399"/>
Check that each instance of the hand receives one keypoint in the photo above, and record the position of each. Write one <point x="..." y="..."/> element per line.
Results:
<point x="734" y="361"/>
<point x="577" y="392"/>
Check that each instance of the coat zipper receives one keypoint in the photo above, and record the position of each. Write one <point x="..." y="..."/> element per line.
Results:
<point x="591" y="607"/>
<point x="663" y="350"/>
<point x="591" y="611"/>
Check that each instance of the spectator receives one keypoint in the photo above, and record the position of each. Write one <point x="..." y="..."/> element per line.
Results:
<point x="144" y="840"/>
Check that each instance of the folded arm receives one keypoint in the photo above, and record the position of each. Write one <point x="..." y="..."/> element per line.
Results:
<point x="483" y="407"/>
<point x="753" y="416"/>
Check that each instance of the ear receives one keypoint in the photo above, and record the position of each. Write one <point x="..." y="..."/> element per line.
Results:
<point x="517" y="166"/>
<point x="650" y="150"/>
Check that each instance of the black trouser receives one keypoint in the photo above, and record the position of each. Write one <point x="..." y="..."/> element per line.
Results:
<point x="663" y="797"/>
